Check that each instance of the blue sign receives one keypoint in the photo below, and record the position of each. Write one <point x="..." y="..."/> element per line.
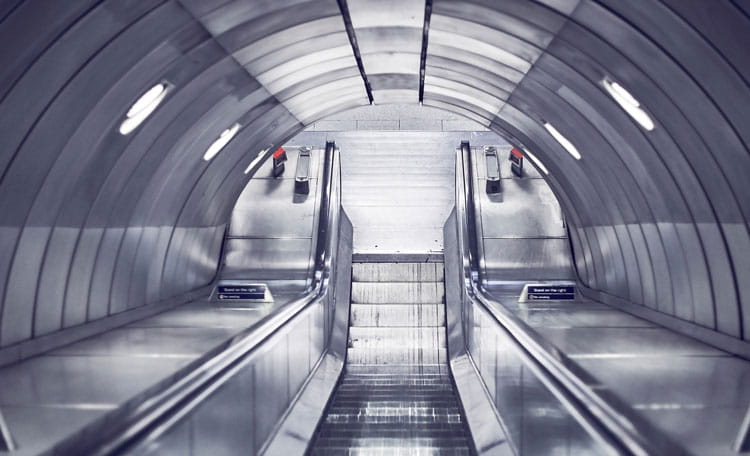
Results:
<point x="551" y="293"/>
<point x="240" y="292"/>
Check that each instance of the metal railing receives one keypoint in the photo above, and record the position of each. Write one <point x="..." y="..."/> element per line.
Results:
<point x="155" y="415"/>
<point x="615" y="433"/>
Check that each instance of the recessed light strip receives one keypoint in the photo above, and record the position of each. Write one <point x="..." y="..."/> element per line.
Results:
<point x="262" y="155"/>
<point x="221" y="141"/>
<point x="144" y="106"/>
<point x="536" y="161"/>
<point x="628" y="103"/>
<point x="567" y="145"/>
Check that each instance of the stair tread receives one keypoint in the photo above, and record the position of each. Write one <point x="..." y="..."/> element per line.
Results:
<point x="396" y="395"/>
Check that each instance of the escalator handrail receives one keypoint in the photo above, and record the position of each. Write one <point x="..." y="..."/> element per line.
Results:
<point x="158" y="412"/>
<point x="603" y="422"/>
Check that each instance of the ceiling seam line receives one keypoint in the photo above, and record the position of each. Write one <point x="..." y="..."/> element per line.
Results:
<point x="344" y="8"/>
<point x="423" y="55"/>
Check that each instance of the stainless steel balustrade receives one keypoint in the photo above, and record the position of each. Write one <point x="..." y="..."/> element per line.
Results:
<point x="160" y="425"/>
<point x="576" y="415"/>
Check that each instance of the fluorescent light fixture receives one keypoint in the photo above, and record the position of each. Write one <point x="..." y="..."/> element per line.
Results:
<point x="143" y="107"/>
<point x="221" y="141"/>
<point x="628" y="103"/>
<point x="536" y="161"/>
<point x="261" y="156"/>
<point x="567" y="145"/>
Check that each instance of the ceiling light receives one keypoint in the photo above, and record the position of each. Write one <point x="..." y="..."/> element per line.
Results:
<point x="221" y="141"/>
<point x="143" y="107"/>
<point x="628" y="103"/>
<point x="567" y="145"/>
<point x="262" y="155"/>
<point x="536" y="161"/>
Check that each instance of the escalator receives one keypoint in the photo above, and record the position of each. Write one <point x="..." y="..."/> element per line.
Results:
<point x="384" y="357"/>
<point x="396" y="395"/>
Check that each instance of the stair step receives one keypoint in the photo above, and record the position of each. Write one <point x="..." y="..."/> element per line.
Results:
<point x="392" y="403"/>
<point x="397" y="272"/>
<point x="406" y="409"/>
<point x="398" y="356"/>
<point x="397" y="292"/>
<point x="389" y="371"/>
<point x="360" y="429"/>
<point x="391" y="451"/>
<point x="390" y="395"/>
<point x="397" y="381"/>
<point x="376" y="338"/>
<point x="439" y="441"/>
<point x="396" y="315"/>
<point x="396" y="396"/>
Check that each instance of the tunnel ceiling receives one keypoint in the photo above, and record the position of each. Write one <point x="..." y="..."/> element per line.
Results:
<point x="96" y="222"/>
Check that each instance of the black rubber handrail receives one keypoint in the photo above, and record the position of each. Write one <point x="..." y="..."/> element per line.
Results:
<point x="159" y="412"/>
<point x="612" y="429"/>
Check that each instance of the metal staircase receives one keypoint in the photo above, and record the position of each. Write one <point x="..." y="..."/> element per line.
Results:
<point x="396" y="395"/>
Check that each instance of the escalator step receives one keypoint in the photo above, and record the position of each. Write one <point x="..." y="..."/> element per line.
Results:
<point x="396" y="395"/>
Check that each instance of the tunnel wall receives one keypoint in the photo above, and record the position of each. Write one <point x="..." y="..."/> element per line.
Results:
<point x="94" y="223"/>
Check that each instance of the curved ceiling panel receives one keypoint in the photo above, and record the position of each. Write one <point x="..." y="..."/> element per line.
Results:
<point x="95" y="222"/>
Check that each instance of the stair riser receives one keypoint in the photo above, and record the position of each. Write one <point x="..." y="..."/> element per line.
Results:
<point x="397" y="293"/>
<point x="397" y="272"/>
<point x="398" y="315"/>
<point x="397" y="357"/>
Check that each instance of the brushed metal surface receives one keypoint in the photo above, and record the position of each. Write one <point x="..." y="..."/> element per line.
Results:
<point x="399" y="272"/>
<point x="527" y="259"/>
<point x="70" y="72"/>
<point x="271" y="232"/>
<point x="267" y="259"/>
<point x="397" y="292"/>
<point x="670" y="381"/>
<point x="522" y="231"/>
<point x="397" y="315"/>
<point x="48" y="398"/>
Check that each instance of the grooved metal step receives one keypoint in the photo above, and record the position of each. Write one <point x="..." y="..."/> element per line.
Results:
<point x="397" y="292"/>
<point x="396" y="396"/>
<point x="397" y="272"/>
<point x="387" y="315"/>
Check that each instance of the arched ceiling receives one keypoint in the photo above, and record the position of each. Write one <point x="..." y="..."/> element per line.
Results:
<point x="95" y="222"/>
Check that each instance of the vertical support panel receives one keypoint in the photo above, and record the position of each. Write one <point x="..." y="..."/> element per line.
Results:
<point x="699" y="276"/>
<point x="50" y="296"/>
<point x="104" y="270"/>
<point x="454" y="288"/>
<point x="678" y="271"/>
<point x="79" y="279"/>
<point x="645" y="265"/>
<point x="18" y="309"/>
<point x="118" y="299"/>
<point x="632" y="272"/>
